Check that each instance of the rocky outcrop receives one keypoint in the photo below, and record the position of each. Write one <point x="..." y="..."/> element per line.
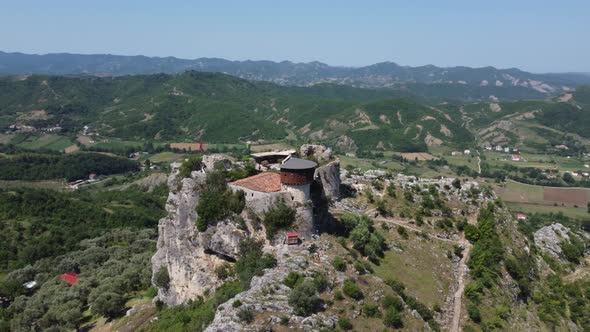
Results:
<point x="550" y="238"/>
<point x="224" y="239"/>
<point x="329" y="177"/>
<point x="210" y="160"/>
<point x="317" y="151"/>
<point x="269" y="295"/>
<point x="190" y="257"/>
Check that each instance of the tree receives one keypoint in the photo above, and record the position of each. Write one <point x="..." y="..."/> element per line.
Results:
<point x="568" y="178"/>
<point x="456" y="183"/>
<point x="108" y="304"/>
<point x="304" y="299"/>
<point x="278" y="217"/>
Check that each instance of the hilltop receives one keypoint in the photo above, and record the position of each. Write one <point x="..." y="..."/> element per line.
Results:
<point x="488" y="81"/>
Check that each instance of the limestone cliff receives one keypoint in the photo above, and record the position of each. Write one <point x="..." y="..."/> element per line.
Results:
<point x="329" y="177"/>
<point x="191" y="257"/>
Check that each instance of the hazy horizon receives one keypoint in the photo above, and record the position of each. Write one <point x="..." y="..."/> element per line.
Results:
<point x="534" y="36"/>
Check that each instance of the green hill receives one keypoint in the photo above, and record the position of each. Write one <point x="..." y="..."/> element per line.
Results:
<point x="219" y="108"/>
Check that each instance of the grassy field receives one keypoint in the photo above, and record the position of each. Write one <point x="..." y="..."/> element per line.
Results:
<point x="528" y="199"/>
<point x="51" y="142"/>
<point x="165" y="157"/>
<point x="541" y="161"/>
<point x="422" y="265"/>
<point x="49" y="184"/>
<point x="5" y="139"/>
<point x="463" y="160"/>
<point x="577" y="213"/>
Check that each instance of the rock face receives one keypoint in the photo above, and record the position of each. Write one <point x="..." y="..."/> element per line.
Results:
<point x="329" y="176"/>
<point x="224" y="239"/>
<point x="550" y="238"/>
<point x="320" y="152"/>
<point x="189" y="256"/>
<point x="209" y="161"/>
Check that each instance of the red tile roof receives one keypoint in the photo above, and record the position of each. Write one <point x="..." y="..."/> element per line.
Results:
<point x="264" y="182"/>
<point x="69" y="277"/>
<point x="292" y="235"/>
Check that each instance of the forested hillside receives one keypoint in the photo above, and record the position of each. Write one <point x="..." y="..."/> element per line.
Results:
<point x="35" y="166"/>
<point x="218" y="108"/>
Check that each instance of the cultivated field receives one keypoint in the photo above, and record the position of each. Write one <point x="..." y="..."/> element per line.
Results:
<point x="51" y="142"/>
<point x="417" y="156"/>
<point x="528" y="198"/>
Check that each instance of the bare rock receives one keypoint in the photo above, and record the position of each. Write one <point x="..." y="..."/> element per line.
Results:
<point x="329" y="177"/>
<point x="180" y="249"/>
<point x="550" y="238"/>
<point x="210" y="160"/>
<point x="224" y="239"/>
<point x="318" y="151"/>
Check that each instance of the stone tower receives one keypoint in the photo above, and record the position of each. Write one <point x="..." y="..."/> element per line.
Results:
<point x="296" y="178"/>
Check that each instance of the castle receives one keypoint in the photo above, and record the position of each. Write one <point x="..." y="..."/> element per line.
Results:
<point x="292" y="184"/>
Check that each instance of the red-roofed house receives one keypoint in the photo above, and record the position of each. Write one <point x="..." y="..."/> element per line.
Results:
<point x="515" y="157"/>
<point x="521" y="216"/>
<point x="69" y="277"/>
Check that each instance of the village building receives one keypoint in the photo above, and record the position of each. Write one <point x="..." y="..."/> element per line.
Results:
<point x="70" y="277"/>
<point x="456" y="153"/>
<point x="467" y="152"/>
<point x="266" y="160"/>
<point x="521" y="216"/>
<point x="515" y="157"/>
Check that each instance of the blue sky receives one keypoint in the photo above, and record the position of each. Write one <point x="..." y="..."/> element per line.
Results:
<point x="539" y="36"/>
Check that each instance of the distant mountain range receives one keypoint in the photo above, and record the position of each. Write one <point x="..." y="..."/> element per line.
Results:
<point x="380" y="75"/>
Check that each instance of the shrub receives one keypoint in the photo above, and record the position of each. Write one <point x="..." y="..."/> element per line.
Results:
<point x="224" y="271"/>
<point x="162" y="278"/>
<point x="246" y="315"/>
<point x="473" y="312"/>
<point x="392" y="318"/>
<point x="402" y="232"/>
<point x="150" y="292"/>
<point x="108" y="304"/>
<point x="321" y="282"/>
<point x="192" y="164"/>
<point x="278" y="217"/>
<point x="303" y="299"/>
<point x="370" y="310"/>
<point x="252" y="261"/>
<point x="339" y="264"/>
<point x="236" y="303"/>
<point x="352" y="290"/>
<point x="344" y="324"/>
<point x="397" y="286"/>
<point x="338" y="296"/>
<point x="393" y="302"/>
<point x="293" y="279"/>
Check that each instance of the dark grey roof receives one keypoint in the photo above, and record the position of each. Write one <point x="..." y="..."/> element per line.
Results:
<point x="298" y="163"/>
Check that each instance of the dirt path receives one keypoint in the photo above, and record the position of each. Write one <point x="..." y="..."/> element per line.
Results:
<point x="458" y="296"/>
<point x="478" y="164"/>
